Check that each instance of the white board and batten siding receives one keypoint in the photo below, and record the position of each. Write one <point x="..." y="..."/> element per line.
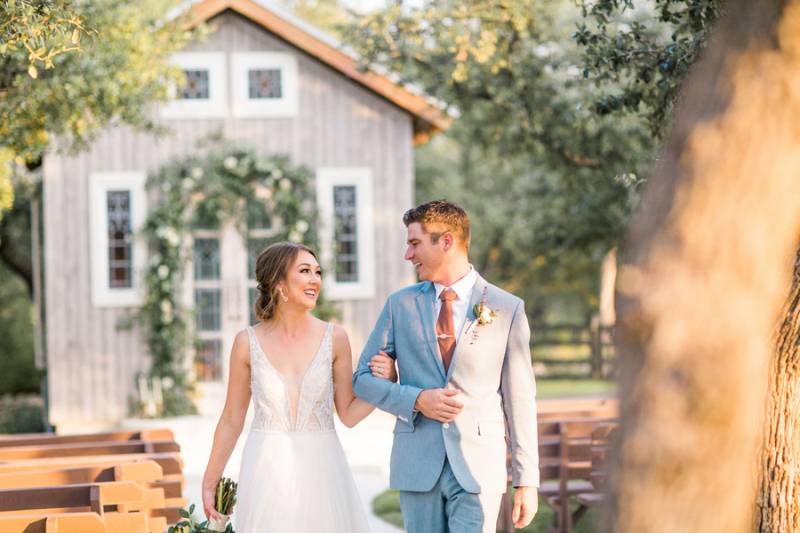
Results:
<point x="339" y="129"/>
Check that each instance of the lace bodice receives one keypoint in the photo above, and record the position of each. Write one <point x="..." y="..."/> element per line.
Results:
<point x="273" y="395"/>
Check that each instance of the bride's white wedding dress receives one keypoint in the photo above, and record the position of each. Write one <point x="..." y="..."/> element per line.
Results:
<point x="294" y="476"/>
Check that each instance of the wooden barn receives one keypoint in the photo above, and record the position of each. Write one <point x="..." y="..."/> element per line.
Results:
<point x="272" y="82"/>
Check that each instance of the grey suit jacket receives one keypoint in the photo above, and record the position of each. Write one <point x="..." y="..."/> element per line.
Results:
<point x="491" y="367"/>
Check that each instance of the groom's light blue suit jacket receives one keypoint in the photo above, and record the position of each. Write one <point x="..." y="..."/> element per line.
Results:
<point x="491" y="367"/>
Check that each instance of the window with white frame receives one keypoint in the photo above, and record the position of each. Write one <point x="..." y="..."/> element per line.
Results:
<point x="344" y="197"/>
<point x="264" y="84"/>
<point x="204" y="94"/>
<point x="261" y="232"/>
<point x="116" y="212"/>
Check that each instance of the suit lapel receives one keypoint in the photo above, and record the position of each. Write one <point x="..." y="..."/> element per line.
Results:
<point x="425" y="307"/>
<point x="471" y="322"/>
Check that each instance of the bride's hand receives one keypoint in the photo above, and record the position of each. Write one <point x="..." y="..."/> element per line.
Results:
<point x="208" y="501"/>
<point x="382" y="366"/>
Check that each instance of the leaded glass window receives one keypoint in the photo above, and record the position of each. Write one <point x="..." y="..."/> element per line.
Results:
<point x="264" y="83"/>
<point x="120" y="239"/>
<point x="196" y="87"/>
<point x="207" y="303"/>
<point x="254" y="247"/>
<point x="208" y="360"/>
<point x="345" y="233"/>
<point x="257" y="216"/>
<point x="252" y="294"/>
<point x="206" y="259"/>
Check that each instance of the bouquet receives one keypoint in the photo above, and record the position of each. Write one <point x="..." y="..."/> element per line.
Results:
<point x="224" y="500"/>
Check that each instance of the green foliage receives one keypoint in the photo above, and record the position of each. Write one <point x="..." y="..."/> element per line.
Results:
<point x="18" y="373"/>
<point x="225" y="182"/>
<point x="327" y="15"/>
<point x="69" y="68"/>
<point x="35" y="33"/>
<point x="190" y="525"/>
<point x="6" y="186"/>
<point x="21" y="414"/>
<point x="549" y="183"/>
<point x="225" y="496"/>
<point x="645" y="48"/>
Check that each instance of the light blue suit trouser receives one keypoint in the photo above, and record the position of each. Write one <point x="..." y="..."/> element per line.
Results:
<point x="448" y="508"/>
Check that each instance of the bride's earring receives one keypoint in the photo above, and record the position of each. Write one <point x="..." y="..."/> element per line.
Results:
<point x="283" y="296"/>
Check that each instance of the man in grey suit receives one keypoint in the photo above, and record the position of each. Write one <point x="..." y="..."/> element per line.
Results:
<point x="461" y="346"/>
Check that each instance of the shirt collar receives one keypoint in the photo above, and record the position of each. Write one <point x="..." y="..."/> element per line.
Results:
<point x="463" y="287"/>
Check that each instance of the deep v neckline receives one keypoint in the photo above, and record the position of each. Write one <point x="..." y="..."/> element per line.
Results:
<point x="283" y="378"/>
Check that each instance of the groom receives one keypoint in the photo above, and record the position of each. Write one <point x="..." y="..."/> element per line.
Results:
<point x="462" y="351"/>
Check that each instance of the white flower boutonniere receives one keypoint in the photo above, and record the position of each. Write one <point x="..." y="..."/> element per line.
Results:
<point x="484" y="315"/>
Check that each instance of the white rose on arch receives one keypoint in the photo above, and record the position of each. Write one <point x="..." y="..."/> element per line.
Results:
<point x="230" y="162"/>
<point x="301" y="226"/>
<point x="285" y="184"/>
<point x="166" y="310"/>
<point x="263" y="192"/>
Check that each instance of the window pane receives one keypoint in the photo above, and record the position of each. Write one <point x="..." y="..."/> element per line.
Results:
<point x="251" y="298"/>
<point x="208" y="360"/>
<point x="345" y="235"/>
<point x="207" y="303"/>
<point x="120" y="237"/>
<point x="264" y="83"/>
<point x="257" y="216"/>
<point x="196" y="87"/>
<point x="254" y="247"/>
<point x="205" y="218"/>
<point x="206" y="259"/>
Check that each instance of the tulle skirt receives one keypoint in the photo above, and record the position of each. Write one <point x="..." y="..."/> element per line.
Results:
<point x="297" y="482"/>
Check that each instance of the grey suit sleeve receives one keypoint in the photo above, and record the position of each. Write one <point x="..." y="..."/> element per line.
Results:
<point x="388" y="396"/>
<point x="519" y="402"/>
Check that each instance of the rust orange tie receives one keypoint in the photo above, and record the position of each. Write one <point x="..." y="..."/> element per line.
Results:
<point x="445" y="328"/>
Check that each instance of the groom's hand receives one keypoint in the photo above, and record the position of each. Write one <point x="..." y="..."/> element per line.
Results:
<point x="439" y="404"/>
<point x="526" y="503"/>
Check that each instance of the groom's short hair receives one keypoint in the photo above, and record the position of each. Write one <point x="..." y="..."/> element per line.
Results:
<point x="440" y="213"/>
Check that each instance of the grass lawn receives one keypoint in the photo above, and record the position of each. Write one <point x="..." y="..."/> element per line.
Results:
<point x="567" y="388"/>
<point x="387" y="506"/>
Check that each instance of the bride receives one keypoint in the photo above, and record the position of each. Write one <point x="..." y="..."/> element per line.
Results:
<point x="294" y="476"/>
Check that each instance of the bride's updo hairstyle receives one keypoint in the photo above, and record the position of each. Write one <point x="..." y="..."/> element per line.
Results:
<point x="272" y="265"/>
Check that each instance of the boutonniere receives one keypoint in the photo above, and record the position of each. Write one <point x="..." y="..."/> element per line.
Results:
<point x="484" y="315"/>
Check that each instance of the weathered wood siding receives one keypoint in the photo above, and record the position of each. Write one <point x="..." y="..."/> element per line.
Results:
<point x="91" y="364"/>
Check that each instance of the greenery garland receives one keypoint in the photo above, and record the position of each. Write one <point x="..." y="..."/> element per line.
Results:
<point x="224" y="184"/>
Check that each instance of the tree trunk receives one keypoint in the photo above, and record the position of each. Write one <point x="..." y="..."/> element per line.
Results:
<point x="707" y="267"/>
<point x="778" y="508"/>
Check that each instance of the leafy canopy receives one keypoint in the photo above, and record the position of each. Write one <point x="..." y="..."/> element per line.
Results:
<point x="549" y="182"/>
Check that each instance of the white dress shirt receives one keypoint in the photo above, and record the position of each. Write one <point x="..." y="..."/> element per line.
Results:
<point x="463" y="290"/>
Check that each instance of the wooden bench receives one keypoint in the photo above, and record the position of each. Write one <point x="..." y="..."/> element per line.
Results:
<point x="87" y="448"/>
<point x="127" y="481"/>
<point x="76" y="523"/>
<point x="565" y="457"/>
<point x="601" y="439"/>
<point x="170" y="462"/>
<point x="37" y="439"/>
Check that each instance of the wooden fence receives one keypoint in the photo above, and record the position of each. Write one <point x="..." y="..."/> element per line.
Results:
<point x="575" y="350"/>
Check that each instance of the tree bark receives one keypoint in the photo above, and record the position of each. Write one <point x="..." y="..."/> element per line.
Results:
<point x="778" y="507"/>
<point x="708" y="263"/>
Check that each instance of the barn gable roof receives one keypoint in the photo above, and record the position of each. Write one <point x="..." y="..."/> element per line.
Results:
<point x="428" y="118"/>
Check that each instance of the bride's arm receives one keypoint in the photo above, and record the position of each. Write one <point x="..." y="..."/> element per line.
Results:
<point x="231" y="420"/>
<point x="351" y="410"/>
